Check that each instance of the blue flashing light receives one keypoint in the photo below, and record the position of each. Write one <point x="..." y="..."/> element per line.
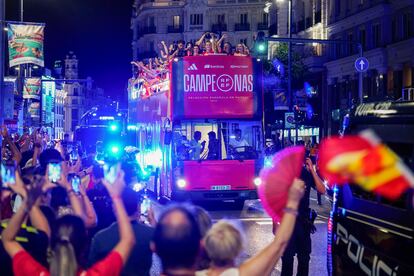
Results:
<point x="268" y="162"/>
<point x="115" y="149"/>
<point x="94" y="114"/>
<point x="119" y="114"/>
<point x="113" y="127"/>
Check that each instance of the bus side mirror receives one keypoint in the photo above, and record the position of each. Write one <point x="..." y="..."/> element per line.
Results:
<point x="167" y="137"/>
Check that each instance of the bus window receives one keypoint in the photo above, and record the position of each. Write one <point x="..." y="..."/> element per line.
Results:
<point x="243" y="140"/>
<point x="218" y="140"/>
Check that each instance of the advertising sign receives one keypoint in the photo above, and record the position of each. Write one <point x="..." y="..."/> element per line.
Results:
<point x="289" y="120"/>
<point x="34" y="110"/>
<point x="217" y="87"/>
<point x="32" y="88"/>
<point x="48" y="98"/>
<point x="25" y="43"/>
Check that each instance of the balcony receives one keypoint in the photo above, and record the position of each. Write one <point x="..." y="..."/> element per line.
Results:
<point x="175" y="29"/>
<point x="242" y="27"/>
<point x="215" y="28"/>
<point x="262" y="26"/>
<point x="148" y="30"/>
<point x="161" y="4"/>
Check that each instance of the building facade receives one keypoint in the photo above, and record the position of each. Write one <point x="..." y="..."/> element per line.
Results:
<point x="74" y="106"/>
<point x="385" y="30"/>
<point x="154" y="21"/>
<point x="59" y="105"/>
<point x="80" y="94"/>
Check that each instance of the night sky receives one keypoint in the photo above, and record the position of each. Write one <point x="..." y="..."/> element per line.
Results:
<point x="98" y="31"/>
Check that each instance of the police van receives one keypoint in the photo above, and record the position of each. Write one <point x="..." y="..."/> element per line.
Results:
<point x="367" y="234"/>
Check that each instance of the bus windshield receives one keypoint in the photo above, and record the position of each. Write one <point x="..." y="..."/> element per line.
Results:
<point x="217" y="140"/>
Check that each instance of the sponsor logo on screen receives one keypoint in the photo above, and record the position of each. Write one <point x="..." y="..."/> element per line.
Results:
<point x="209" y="66"/>
<point x="192" y="67"/>
<point x="238" y="66"/>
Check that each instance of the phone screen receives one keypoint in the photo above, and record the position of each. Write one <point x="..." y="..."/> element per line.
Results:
<point x="54" y="171"/>
<point x="145" y="205"/>
<point x="74" y="155"/>
<point x="110" y="172"/>
<point x="76" y="181"/>
<point x="8" y="175"/>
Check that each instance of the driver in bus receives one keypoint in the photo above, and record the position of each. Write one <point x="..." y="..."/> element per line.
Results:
<point x="238" y="144"/>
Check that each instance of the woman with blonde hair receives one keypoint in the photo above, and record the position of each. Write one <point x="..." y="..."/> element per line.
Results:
<point x="224" y="243"/>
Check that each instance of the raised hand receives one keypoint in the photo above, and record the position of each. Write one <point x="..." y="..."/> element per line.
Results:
<point x="115" y="189"/>
<point x="4" y="132"/>
<point x="18" y="186"/>
<point x="296" y="192"/>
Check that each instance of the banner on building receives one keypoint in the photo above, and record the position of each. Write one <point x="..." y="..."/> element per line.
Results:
<point x="217" y="87"/>
<point x="34" y="110"/>
<point x="25" y="43"/>
<point x="32" y="88"/>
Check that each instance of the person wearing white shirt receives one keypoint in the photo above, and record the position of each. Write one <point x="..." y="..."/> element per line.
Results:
<point x="238" y="142"/>
<point x="195" y="146"/>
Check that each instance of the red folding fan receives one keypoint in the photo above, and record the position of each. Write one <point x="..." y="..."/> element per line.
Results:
<point x="276" y="180"/>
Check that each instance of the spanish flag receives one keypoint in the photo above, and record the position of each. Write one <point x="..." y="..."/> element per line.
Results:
<point x="365" y="161"/>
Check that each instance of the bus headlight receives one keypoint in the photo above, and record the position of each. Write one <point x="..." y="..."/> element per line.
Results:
<point x="257" y="181"/>
<point x="181" y="183"/>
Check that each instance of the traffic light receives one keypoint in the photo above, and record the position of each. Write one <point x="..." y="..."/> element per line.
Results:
<point x="261" y="44"/>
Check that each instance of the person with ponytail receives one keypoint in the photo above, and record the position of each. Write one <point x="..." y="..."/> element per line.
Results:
<point x="68" y="240"/>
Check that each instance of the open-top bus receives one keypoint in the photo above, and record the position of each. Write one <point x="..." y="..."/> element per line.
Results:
<point x="205" y="132"/>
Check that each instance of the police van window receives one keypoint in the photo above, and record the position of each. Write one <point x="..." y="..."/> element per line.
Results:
<point x="359" y="193"/>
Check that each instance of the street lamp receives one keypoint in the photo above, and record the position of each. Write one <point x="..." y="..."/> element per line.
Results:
<point x="290" y="17"/>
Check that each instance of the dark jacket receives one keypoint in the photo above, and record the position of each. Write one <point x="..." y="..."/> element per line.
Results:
<point x="140" y="260"/>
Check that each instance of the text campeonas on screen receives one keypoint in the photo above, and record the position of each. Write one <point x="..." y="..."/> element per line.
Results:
<point x="213" y="83"/>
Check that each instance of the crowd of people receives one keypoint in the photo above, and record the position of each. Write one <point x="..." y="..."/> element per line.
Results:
<point x="56" y="226"/>
<point x="152" y="73"/>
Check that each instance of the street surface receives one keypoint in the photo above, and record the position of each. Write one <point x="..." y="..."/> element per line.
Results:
<point x="258" y="229"/>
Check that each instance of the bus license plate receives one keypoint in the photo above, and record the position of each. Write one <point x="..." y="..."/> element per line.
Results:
<point x="220" y="187"/>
